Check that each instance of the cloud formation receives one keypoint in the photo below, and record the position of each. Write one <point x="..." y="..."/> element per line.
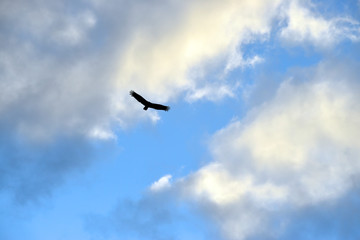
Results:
<point x="291" y="154"/>
<point x="66" y="69"/>
<point x="304" y="25"/>
<point x="161" y="184"/>
<point x="69" y="69"/>
<point x="172" y="55"/>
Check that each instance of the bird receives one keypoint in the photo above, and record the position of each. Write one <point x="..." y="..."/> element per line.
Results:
<point x="148" y="104"/>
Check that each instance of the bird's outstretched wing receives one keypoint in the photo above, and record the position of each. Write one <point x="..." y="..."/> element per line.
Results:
<point x="139" y="98"/>
<point x="159" y="107"/>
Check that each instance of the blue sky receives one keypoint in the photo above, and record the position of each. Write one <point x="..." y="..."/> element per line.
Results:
<point x="261" y="141"/>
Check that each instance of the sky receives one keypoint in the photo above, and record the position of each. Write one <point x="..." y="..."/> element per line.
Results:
<point x="261" y="141"/>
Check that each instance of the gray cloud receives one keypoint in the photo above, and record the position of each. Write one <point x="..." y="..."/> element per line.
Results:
<point x="336" y="220"/>
<point x="49" y="83"/>
<point x="55" y="89"/>
<point x="30" y="171"/>
<point x="156" y="215"/>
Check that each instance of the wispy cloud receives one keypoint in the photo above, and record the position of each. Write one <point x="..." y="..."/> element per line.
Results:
<point x="236" y="60"/>
<point x="212" y="92"/>
<point x="304" y="25"/>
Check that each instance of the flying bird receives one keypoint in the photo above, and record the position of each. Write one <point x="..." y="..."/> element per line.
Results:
<point x="148" y="104"/>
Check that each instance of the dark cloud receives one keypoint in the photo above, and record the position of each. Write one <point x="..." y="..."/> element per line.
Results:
<point x="157" y="216"/>
<point x="330" y="220"/>
<point x="48" y="87"/>
<point x="56" y="85"/>
<point x="31" y="171"/>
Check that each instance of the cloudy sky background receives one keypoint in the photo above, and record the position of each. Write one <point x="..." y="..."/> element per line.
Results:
<point x="261" y="141"/>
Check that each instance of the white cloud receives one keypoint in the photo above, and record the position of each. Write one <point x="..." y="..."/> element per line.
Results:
<point x="213" y="92"/>
<point x="102" y="134"/>
<point x="169" y="52"/>
<point x="299" y="149"/>
<point x="214" y="183"/>
<point x="236" y="60"/>
<point x="304" y="25"/>
<point x="162" y="59"/>
<point x="161" y="184"/>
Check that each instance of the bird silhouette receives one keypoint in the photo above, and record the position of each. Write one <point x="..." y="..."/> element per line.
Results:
<point x="148" y="104"/>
